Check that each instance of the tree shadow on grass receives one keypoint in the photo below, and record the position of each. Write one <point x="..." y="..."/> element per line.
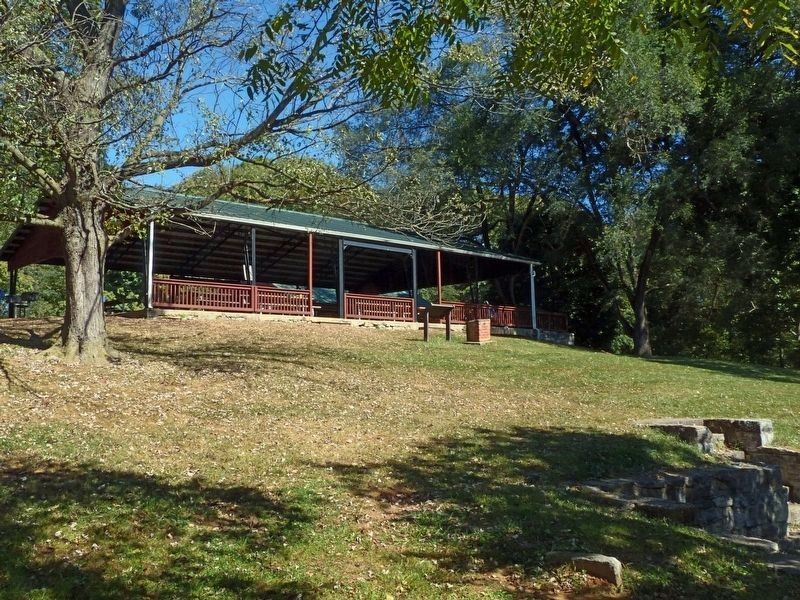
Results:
<point x="749" y="371"/>
<point x="237" y="356"/>
<point x="498" y="501"/>
<point x="79" y="531"/>
<point x="29" y="338"/>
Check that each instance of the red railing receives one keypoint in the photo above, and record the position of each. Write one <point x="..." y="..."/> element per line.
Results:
<point x="199" y="295"/>
<point x="552" y="321"/>
<point x="173" y="293"/>
<point x="203" y="295"/>
<point x="283" y="302"/>
<point x="507" y="316"/>
<point x="382" y="308"/>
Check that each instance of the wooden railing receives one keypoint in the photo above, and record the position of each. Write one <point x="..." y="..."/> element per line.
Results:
<point x="236" y="297"/>
<point x="507" y="316"/>
<point x="552" y="321"/>
<point x="283" y="302"/>
<point x="174" y="293"/>
<point x="200" y="295"/>
<point x="382" y="308"/>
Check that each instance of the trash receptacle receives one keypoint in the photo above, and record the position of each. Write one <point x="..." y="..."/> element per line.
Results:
<point x="479" y="331"/>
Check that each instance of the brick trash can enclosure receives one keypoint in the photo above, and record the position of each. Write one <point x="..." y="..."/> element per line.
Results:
<point x="479" y="331"/>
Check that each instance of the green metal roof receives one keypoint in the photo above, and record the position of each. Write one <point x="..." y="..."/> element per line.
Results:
<point x="280" y="218"/>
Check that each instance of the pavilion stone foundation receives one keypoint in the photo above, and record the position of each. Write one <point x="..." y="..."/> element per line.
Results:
<point x="563" y="338"/>
<point x="556" y="337"/>
<point x="738" y="498"/>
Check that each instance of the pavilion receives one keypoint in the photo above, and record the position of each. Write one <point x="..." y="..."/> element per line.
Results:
<point x="249" y="258"/>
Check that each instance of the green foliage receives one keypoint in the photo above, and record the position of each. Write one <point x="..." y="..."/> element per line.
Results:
<point x="557" y="47"/>
<point x="414" y="185"/>
<point x="734" y="287"/>
<point x="48" y="282"/>
<point x="421" y="199"/>
<point x="660" y="178"/>
<point x="295" y="183"/>
<point x="384" y="46"/>
<point x="621" y="344"/>
<point x="123" y="291"/>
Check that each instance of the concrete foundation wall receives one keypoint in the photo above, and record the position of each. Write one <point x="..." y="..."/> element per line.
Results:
<point x="558" y="337"/>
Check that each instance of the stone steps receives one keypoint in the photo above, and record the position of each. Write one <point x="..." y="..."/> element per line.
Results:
<point x="741" y="502"/>
<point x="738" y="498"/>
<point x="785" y="563"/>
<point x="738" y="439"/>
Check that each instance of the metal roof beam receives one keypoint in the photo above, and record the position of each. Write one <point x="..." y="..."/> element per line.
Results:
<point x="292" y="243"/>
<point x="380" y="247"/>
<point x="190" y="264"/>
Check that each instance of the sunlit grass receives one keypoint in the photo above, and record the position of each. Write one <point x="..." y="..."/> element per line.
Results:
<point x="241" y="459"/>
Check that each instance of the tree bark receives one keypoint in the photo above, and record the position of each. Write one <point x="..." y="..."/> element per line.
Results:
<point x="641" y="327"/>
<point x="83" y="336"/>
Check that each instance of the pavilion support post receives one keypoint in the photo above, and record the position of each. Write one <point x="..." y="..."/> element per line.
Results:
<point x="149" y="264"/>
<point x="253" y="283"/>
<point x="253" y="255"/>
<point x="310" y="274"/>
<point x="413" y="284"/>
<point x="12" y="291"/>
<point x="340" y="288"/>
<point x="474" y="284"/>
<point x="534" y="324"/>
<point x="438" y="276"/>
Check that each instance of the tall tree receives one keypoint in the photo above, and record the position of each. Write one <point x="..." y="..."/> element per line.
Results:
<point x="734" y="287"/>
<point x="95" y="95"/>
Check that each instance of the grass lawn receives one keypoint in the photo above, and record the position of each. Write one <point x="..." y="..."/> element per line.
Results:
<point x="241" y="459"/>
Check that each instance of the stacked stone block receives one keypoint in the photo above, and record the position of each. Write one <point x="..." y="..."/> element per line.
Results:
<point x="786" y="459"/>
<point x="739" y="498"/>
<point x="743" y="434"/>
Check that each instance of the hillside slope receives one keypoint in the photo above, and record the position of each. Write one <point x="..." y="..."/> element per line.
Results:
<point x="250" y="459"/>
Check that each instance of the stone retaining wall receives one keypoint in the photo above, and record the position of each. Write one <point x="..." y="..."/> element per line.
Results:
<point x="786" y="459"/>
<point x="739" y="498"/>
<point x="739" y="434"/>
<point x="743" y="434"/>
<point x="743" y="499"/>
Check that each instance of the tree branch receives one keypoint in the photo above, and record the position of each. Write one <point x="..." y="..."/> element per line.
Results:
<point x="37" y="220"/>
<point x="24" y="161"/>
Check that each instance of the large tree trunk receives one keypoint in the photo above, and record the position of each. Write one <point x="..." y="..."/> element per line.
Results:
<point x="83" y="336"/>
<point x="641" y="328"/>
